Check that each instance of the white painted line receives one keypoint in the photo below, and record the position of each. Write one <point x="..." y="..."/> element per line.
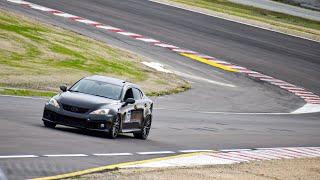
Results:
<point x="281" y="83"/>
<point x="273" y="80"/>
<point x="298" y="90"/>
<point x="192" y="151"/>
<point x="233" y="150"/>
<point x="66" y="15"/>
<point x="307" y="95"/>
<point x="247" y="71"/>
<point x="113" y="154"/>
<point x="41" y="8"/>
<point x="166" y="45"/>
<point x="307" y="108"/>
<point x="302" y="92"/>
<point x="237" y="67"/>
<point x="18" y="156"/>
<point x="110" y="28"/>
<point x="260" y="76"/>
<point x="221" y="62"/>
<point x="156" y="66"/>
<point x="87" y="21"/>
<point x="184" y="51"/>
<point x="150" y="40"/>
<point x="292" y="88"/>
<point x="65" y="155"/>
<point x="129" y="34"/>
<point x="19" y="2"/>
<point x="206" y="56"/>
<point x="155" y="152"/>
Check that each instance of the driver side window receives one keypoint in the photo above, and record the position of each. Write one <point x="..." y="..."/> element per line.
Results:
<point x="129" y="94"/>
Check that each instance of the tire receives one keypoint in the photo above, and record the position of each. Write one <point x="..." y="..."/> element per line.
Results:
<point x="143" y="134"/>
<point x="115" y="128"/>
<point x="49" y="124"/>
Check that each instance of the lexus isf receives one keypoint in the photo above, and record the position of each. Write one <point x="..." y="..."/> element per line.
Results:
<point x="103" y="104"/>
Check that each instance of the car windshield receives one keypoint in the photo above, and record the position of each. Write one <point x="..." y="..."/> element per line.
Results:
<point x="97" y="88"/>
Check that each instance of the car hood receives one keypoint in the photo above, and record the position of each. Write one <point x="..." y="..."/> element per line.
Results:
<point x="83" y="100"/>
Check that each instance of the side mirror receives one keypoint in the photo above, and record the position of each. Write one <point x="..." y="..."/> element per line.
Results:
<point x="63" y="88"/>
<point x="130" y="101"/>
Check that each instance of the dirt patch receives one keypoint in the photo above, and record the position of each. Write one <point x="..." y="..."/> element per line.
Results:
<point x="308" y="168"/>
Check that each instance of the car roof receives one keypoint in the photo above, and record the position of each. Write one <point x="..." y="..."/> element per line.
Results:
<point x="111" y="80"/>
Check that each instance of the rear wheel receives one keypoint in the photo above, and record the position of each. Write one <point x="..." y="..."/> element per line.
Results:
<point x="49" y="124"/>
<point x="143" y="134"/>
<point x="114" y="130"/>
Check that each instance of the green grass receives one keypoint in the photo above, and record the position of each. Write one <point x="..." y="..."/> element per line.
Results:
<point x="70" y="51"/>
<point x="37" y="93"/>
<point x="36" y="56"/>
<point x="26" y="92"/>
<point x="224" y="6"/>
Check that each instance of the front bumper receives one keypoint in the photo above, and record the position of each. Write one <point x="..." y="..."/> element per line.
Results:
<point x="83" y="121"/>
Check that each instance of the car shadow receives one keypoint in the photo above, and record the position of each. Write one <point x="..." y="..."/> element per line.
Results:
<point x="85" y="132"/>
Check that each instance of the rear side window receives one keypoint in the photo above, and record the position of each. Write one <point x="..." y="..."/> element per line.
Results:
<point x="136" y="94"/>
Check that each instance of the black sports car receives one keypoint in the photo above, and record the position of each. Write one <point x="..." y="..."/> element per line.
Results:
<point x="101" y="103"/>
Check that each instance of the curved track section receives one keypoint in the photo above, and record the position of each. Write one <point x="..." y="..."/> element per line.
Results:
<point x="186" y="121"/>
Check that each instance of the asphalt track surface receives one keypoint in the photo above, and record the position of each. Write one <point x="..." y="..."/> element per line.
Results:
<point x="181" y="121"/>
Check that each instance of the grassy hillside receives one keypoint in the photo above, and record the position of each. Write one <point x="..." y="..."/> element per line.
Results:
<point x="36" y="58"/>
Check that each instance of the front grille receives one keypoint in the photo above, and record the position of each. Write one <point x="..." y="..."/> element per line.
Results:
<point x="65" y="120"/>
<point x="74" y="109"/>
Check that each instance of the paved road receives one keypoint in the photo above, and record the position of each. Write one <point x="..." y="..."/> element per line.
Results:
<point x="282" y="8"/>
<point x="178" y="124"/>
<point x="287" y="58"/>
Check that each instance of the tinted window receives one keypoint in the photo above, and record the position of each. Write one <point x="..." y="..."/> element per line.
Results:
<point x="129" y="94"/>
<point x="97" y="88"/>
<point x="136" y="94"/>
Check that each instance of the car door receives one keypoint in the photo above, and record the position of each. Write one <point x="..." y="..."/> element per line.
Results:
<point x="132" y="112"/>
<point x="138" y="112"/>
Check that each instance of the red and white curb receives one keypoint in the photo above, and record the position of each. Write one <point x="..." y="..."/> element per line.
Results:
<point x="312" y="100"/>
<point x="232" y="156"/>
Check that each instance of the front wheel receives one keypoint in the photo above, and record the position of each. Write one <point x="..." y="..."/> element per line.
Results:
<point x="49" y="124"/>
<point x="143" y="134"/>
<point x="114" y="130"/>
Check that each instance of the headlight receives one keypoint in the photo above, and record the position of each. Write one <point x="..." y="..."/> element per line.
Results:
<point x="54" y="103"/>
<point x="101" y="112"/>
